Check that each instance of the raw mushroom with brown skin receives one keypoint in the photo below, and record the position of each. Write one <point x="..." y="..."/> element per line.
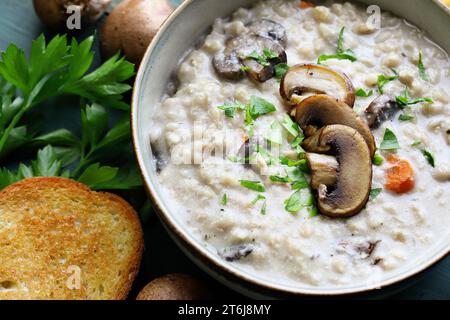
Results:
<point x="234" y="61"/>
<point x="309" y="79"/>
<point x="321" y="110"/>
<point x="349" y="193"/>
<point x="131" y="27"/>
<point x="54" y="13"/>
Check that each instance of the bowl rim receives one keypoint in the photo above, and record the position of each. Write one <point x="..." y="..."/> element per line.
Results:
<point x="179" y="234"/>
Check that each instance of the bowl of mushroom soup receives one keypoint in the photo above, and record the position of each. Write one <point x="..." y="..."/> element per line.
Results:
<point x="300" y="148"/>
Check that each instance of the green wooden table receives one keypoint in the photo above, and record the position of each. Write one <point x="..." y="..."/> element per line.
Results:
<point x="19" y="24"/>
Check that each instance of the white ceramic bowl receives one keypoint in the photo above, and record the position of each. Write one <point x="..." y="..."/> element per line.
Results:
<point x="190" y="21"/>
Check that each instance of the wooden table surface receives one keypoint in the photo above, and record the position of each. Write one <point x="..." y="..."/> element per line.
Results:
<point x="19" y="24"/>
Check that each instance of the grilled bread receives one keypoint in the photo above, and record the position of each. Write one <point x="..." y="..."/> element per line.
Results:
<point x="60" y="240"/>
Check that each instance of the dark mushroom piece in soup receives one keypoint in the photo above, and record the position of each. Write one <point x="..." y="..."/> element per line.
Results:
<point x="268" y="29"/>
<point x="249" y="54"/>
<point x="380" y="110"/>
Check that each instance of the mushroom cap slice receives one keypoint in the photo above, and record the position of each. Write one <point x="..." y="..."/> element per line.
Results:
<point x="349" y="194"/>
<point x="323" y="169"/>
<point x="230" y="61"/>
<point x="268" y="29"/>
<point x="307" y="79"/>
<point x="322" y="110"/>
<point x="380" y="110"/>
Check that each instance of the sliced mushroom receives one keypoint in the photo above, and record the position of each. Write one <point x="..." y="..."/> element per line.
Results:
<point x="321" y="110"/>
<point x="357" y="247"/>
<point x="306" y="79"/>
<point x="380" y="110"/>
<point x="268" y="29"/>
<point x="350" y="192"/>
<point x="236" y="252"/>
<point x="232" y="62"/>
<point x="323" y="169"/>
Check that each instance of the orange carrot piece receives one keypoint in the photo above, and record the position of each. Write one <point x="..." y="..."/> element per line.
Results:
<point x="399" y="177"/>
<point x="305" y="5"/>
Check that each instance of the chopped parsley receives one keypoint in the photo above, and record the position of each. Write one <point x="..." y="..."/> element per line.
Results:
<point x="416" y="143"/>
<point x="253" y="185"/>
<point x="230" y="108"/>
<point x="264" y="208"/>
<point x="362" y="93"/>
<point x="405" y="100"/>
<point x="224" y="199"/>
<point x="422" y="71"/>
<point x="280" y="70"/>
<point x="341" y="53"/>
<point x="280" y="179"/>
<point x="264" y="58"/>
<point x="383" y="80"/>
<point x="258" y="197"/>
<point x="406" y="117"/>
<point x="299" y="179"/>
<point x="290" y="126"/>
<point x="300" y="199"/>
<point x="374" y="193"/>
<point x="429" y="156"/>
<point x="256" y="108"/>
<point x="268" y="157"/>
<point x="276" y="133"/>
<point x="302" y="163"/>
<point x="390" y="141"/>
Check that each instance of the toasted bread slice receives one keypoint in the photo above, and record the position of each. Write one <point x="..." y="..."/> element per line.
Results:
<point x="60" y="240"/>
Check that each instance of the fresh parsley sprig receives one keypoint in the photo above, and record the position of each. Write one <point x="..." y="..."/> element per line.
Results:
<point x="341" y="53"/>
<point x="405" y="100"/>
<point x="57" y="69"/>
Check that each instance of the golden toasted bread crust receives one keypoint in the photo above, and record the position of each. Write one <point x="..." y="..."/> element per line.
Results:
<point x="49" y="226"/>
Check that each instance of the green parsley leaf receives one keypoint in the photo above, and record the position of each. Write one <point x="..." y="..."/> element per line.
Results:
<point x="374" y="193"/>
<point x="291" y="126"/>
<point x="264" y="208"/>
<point x="405" y="100"/>
<point x="422" y="71"/>
<point x="261" y="59"/>
<point x="276" y="134"/>
<point x="270" y="54"/>
<point x="280" y="179"/>
<point x="230" y="108"/>
<point x="383" y="80"/>
<point x="259" y="106"/>
<point x="298" y="200"/>
<point x="429" y="156"/>
<point x="377" y="159"/>
<point x="406" y="117"/>
<point x="96" y="174"/>
<point x="258" y="197"/>
<point x="302" y="164"/>
<point x="347" y="55"/>
<point x="224" y="199"/>
<point x="416" y="143"/>
<point x="341" y="53"/>
<point x="362" y="93"/>
<point x="300" y="181"/>
<point x="390" y="141"/>
<point x="268" y="157"/>
<point x="280" y="70"/>
<point x="253" y="185"/>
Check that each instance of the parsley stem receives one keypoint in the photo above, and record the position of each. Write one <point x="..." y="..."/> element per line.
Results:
<point x="12" y="125"/>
